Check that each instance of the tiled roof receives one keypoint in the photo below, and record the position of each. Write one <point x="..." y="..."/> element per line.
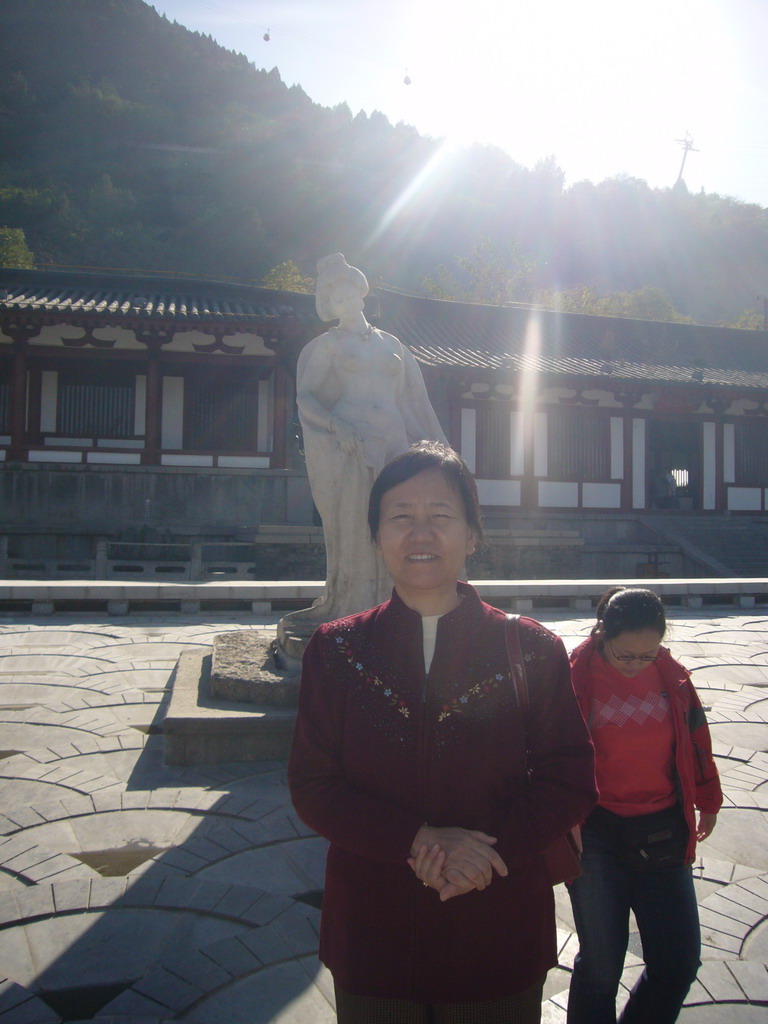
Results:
<point x="455" y="335"/>
<point x="151" y="298"/>
<point x="493" y="338"/>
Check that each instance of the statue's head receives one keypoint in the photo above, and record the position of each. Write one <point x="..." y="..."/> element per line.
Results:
<point x="333" y="275"/>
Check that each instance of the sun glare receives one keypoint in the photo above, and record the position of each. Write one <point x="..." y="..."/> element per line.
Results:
<point x="425" y="178"/>
<point x="607" y="88"/>
<point x="615" y="83"/>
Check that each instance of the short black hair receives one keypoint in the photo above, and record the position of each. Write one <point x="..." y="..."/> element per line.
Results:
<point x="630" y="609"/>
<point x="421" y="456"/>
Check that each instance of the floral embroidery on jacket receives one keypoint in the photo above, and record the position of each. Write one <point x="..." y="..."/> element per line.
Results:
<point x="477" y="692"/>
<point x="466" y="704"/>
<point x="370" y="678"/>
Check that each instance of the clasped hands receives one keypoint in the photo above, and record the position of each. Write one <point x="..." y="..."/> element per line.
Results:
<point x="454" y="860"/>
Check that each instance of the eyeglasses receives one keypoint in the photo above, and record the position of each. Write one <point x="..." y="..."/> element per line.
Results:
<point x="626" y="658"/>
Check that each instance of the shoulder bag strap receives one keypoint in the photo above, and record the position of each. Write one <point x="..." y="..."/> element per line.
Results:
<point x="515" y="659"/>
<point x="519" y="679"/>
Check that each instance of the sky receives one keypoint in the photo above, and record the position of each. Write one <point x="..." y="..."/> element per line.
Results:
<point x="607" y="87"/>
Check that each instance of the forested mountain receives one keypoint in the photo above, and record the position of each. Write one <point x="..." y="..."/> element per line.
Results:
<point x="127" y="141"/>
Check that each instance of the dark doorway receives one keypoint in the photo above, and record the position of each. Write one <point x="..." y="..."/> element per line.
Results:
<point x="674" y="464"/>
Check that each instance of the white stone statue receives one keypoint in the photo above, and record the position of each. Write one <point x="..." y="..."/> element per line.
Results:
<point x="361" y="401"/>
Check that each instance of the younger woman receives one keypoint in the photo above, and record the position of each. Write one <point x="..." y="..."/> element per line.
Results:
<point x="654" y="767"/>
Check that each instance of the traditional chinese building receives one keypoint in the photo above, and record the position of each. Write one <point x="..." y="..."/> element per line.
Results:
<point x="129" y="400"/>
<point x="568" y="411"/>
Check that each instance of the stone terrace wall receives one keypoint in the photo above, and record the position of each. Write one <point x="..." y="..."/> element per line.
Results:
<point x="108" y="499"/>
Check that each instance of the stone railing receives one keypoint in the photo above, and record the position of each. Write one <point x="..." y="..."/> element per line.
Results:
<point x="44" y="597"/>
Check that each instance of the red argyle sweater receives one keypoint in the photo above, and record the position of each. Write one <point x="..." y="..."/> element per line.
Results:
<point x="696" y="773"/>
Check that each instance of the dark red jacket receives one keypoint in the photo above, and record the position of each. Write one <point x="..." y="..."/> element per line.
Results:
<point x="697" y="776"/>
<point x="380" y="748"/>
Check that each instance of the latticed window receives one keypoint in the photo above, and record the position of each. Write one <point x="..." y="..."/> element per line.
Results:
<point x="96" y="402"/>
<point x="221" y="410"/>
<point x="579" y="445"/>
<point x="493" y="441"/>
<point x="752" y="453"/>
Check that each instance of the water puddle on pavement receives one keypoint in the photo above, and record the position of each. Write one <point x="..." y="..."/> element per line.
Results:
<point x="119" y="862"/>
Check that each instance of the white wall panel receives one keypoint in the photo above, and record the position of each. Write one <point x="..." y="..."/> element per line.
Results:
<point x="49" y="401"/>
<point x="243" y="461"/>
<point x="516" y="442"/>
<point x="186" y="460"/>
<point x="540" y="443"/>
<point x="729" y="453"/>
<point x="53" y="456"/>
<point x="172" y="427"/>
<point x="498" y="492"/>
<point x="744" y="499"/>
<point x="638" y="463"/>
<point x="558" y="495"/>
<point x="617" y="448"/>
<point x="140" y="405"/>
<point x="265" y="439"/>
<point x="601" y="495"/>
<point x="468" y="443"/>
<point x="114" y="458"/>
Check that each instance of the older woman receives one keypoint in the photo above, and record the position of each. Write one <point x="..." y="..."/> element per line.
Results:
<point x="410" y="756"/>
<point x="361" y="401"/>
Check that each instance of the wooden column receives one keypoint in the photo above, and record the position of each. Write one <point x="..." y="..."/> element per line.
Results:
<point x="34" y="406"/>
<point x="629" y="399"/>
<point x="154" y="338"/>
<point x="279" y="417"/>
<point x="18" y="412"/>
<point x="719" y="405"/>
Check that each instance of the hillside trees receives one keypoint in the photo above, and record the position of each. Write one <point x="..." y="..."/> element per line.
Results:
<point x="487" y="275"/>
<point x="128" y="141"/>
<point x="14" y="251"/>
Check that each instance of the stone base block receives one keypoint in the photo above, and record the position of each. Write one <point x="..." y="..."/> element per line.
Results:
<point x="244" y="669"/>
<point x="200" y="729"/>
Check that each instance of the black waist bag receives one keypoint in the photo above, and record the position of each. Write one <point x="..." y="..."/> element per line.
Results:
<point x="648" y="842"/>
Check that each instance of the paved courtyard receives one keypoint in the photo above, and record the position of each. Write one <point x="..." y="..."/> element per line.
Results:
<point x="135" y="892"/>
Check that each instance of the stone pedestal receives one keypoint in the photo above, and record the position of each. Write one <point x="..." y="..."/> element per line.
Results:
<point x="234" y="704"/>
<point x="244" y="667"/>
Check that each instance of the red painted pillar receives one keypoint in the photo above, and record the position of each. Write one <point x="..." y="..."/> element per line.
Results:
<point x="18" y="402"/>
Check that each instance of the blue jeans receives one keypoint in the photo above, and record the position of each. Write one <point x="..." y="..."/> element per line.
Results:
<point x="664" y="903"/>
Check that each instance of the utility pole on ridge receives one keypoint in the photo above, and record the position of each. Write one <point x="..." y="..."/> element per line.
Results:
<point x="688" y="147"/>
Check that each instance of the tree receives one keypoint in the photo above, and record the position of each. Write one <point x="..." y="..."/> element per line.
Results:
<point x="286" y="277"/>
<point x="14" y="251"/>
<point x="128" y="141"/>
<point x="490" y="275"/>
<point x="750" y="320"/>
<point x="642" y="304"/>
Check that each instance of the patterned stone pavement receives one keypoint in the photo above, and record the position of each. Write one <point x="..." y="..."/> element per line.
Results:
<point x="138" y="893"/>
